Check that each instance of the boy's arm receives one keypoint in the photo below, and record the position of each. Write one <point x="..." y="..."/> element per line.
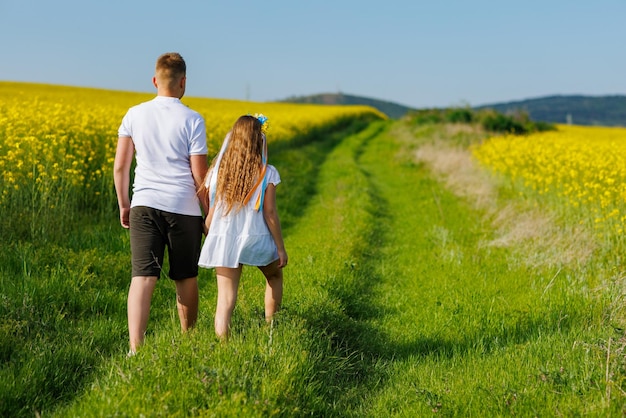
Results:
<point x="199" y="168"/>
<point x="121" y="176"/>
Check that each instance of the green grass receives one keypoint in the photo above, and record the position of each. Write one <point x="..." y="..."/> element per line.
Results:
<point x="394" y="306"/>
<point x="469" y="329"/>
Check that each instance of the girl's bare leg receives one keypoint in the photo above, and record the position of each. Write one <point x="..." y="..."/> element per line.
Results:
<point x="187" y="302"/>
<point x="273" y="289"/>
<point x="138" y="305"/>
<point x="227" y="286"/>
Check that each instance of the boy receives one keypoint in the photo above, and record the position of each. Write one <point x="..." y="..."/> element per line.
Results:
<point x="168" y="141"/>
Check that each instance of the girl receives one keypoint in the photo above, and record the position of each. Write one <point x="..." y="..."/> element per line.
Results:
<point x="242" y="226"/>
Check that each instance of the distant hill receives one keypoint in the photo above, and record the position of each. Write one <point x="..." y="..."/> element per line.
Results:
<point x="392" y="110"/>
<point x="575" y="109"/>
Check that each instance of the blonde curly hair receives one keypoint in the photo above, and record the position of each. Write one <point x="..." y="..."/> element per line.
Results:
<point x="241" y="164"/>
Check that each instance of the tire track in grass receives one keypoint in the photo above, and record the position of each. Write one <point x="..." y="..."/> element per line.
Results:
<point x="428" y="249"/>
<point x="326" y="283"/>
<point x="348" y="251"/>
<point x="346" y="313"/>
<point x="352" y="243"/>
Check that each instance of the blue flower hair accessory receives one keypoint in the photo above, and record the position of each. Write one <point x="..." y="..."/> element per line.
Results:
<point x="263" y="119"/>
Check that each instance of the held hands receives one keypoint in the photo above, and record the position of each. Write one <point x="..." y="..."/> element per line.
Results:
<point x="205" y="226"/>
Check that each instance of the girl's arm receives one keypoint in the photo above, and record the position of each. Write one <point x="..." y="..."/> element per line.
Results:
<point x="273" y="223"/>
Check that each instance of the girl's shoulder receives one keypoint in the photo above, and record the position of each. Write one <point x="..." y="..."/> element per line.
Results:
<point x="272" y="175"/>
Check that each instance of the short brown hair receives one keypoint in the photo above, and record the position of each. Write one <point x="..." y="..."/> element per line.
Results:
<point x="170" y="67"/>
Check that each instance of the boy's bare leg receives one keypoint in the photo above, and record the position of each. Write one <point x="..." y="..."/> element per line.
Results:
<point x="227" y="286"/>
<point x="273" y="289"/>
<point x="187" y="302"/>
<point x="138" y="305"/>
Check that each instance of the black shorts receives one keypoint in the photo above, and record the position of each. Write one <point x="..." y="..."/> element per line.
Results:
<point x="151" y="230"/>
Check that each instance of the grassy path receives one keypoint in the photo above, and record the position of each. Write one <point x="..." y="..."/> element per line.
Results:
<point x="441" y="322"/>
<point x="395" y="305"/>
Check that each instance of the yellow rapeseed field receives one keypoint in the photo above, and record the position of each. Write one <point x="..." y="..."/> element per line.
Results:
<point x="57" y="143"/>
<point x="584" y="166"/>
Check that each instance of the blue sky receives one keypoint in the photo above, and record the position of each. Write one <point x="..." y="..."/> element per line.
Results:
<point x="413" y="52"/>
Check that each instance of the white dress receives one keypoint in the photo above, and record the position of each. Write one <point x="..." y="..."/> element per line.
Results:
<point x="241" y="237"/>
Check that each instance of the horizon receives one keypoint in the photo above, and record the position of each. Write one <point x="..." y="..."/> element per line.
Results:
<point x="286" y="99"/>
<point x="408" y="53"/>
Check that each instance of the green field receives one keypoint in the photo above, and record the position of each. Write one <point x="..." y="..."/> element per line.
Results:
<point x="401" y="299"/>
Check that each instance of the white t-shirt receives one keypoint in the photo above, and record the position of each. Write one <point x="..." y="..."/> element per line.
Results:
<point x="241" y="237"/>
<point x="165" y="133"/>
